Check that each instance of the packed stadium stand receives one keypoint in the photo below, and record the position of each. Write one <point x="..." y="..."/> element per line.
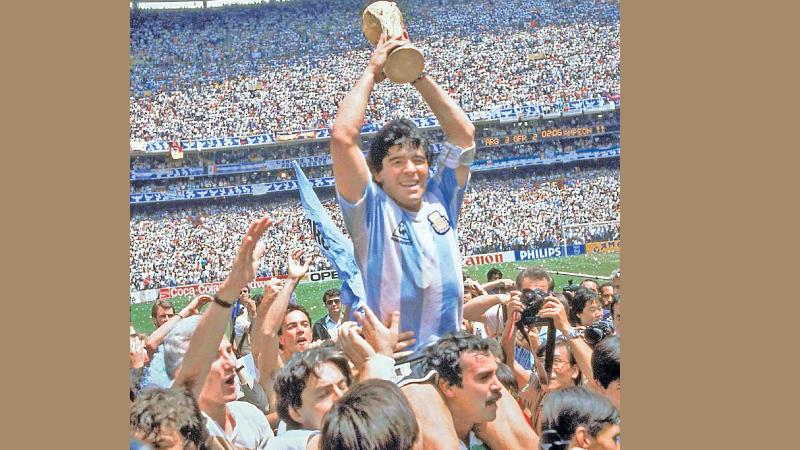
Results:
<point x="267" y="69"/>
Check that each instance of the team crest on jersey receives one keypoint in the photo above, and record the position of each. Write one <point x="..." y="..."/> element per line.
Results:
<point x="400" y="234"/>
<point x="439" y="222"/>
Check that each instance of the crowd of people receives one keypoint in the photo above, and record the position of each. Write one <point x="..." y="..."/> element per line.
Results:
<point x="305" y="149"/>
<point x="412" y="352"/>
<point x="174" y="246"/>
<point x="203" y="81"/>
<point x="281" y="382"/>
<point x="181" y="186"/>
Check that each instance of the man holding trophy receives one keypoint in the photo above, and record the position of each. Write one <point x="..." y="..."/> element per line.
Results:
<point x="403" y="225"/>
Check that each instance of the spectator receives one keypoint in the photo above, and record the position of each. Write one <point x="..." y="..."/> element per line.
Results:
<point x="241" y="327"/>
<point x="168" y="418"/>
<point x="373" y="415"/>
<point x="585" y="308"/>
<point x="295" y="333"/>
<point x="326" y="327"/>
<point x="584" y="419"/>
<point x="154" y="373"/>
<point x="467" y="381"/>
<point x="590" y="284"/>
<point x="606" y="360"/>
<point x="197" y="355"/>
<point x="306" y="388"/>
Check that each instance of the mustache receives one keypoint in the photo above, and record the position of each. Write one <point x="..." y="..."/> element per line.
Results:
<point x="495" y="398"/>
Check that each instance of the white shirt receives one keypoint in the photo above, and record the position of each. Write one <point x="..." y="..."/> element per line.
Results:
<point x="251" y="432"/>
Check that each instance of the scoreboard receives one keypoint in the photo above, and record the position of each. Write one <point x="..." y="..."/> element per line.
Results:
<point x="549" y="133"/>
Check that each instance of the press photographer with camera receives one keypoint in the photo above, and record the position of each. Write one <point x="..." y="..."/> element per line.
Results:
<point x="570" y="361"/>
<point x="586" y="314"/>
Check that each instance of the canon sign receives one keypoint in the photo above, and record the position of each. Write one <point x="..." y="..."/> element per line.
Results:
<point x="491" y="258"/>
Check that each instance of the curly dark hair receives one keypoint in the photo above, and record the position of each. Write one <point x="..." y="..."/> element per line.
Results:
<point x="444" y="355"/>
<point x="158" y="410"/>
<point x="493" y="271"/>
<point x="388" y="135"/>
<point x="290" y="381"/>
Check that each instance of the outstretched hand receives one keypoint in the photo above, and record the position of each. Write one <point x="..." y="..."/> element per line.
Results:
<point x="245" y="264"/>
<point x="296" y="269"/>
<point x="383" y="338"/>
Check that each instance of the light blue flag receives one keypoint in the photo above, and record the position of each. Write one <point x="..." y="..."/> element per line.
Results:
<point x="333" y="244"/>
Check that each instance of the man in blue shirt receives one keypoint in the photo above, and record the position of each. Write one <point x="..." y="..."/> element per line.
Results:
<point x="403" y="224"/>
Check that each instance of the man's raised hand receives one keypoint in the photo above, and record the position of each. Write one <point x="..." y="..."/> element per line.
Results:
<point x="245" y="264"/>
<point x="296" y="269"/>
<point x="380" y="55"/>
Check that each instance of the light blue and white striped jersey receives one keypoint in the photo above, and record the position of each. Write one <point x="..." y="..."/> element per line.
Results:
<point x="410" y="261"/>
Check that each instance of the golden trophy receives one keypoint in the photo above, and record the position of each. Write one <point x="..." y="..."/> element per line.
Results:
<point x="405" y="63"/>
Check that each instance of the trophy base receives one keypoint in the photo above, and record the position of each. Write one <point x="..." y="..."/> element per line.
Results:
<point x="404" y="64"/>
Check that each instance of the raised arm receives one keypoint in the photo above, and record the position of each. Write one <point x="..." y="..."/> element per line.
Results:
<point x="453" y="120"/>
<point x="475" y="309"/>
<point x="499" y="283"/>
<point x="349" y="166"/>
<point x="205" y="343"/>
<point x="157" y="337"/>
<point x="269" y="319"/>
<point x="580" y="349"/>
<point x="508" y="344"/>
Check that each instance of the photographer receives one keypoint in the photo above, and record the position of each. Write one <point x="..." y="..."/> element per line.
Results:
<point x="494" y="310"/>
<point x="585" y="308"/>
<point x="571" y="358"/>
<point x="586" y="314"/>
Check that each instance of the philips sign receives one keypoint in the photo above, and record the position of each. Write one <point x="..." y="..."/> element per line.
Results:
<point x="539" y="253"/>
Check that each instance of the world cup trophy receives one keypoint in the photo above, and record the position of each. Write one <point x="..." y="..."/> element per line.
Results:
<point x="405" y="63"/>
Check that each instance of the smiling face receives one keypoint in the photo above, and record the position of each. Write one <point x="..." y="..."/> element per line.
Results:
<point x="404" y="175"/>
<point x="220" y="385"/>
<point x="296" y="333"/>
<point x="322" y="390"/>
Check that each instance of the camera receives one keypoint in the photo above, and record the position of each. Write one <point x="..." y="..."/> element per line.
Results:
<point x="533" y="299"/>
<point x="596" y="332"/>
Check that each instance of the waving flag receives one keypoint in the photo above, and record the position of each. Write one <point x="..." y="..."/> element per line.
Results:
<point x="332" y="243"/>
